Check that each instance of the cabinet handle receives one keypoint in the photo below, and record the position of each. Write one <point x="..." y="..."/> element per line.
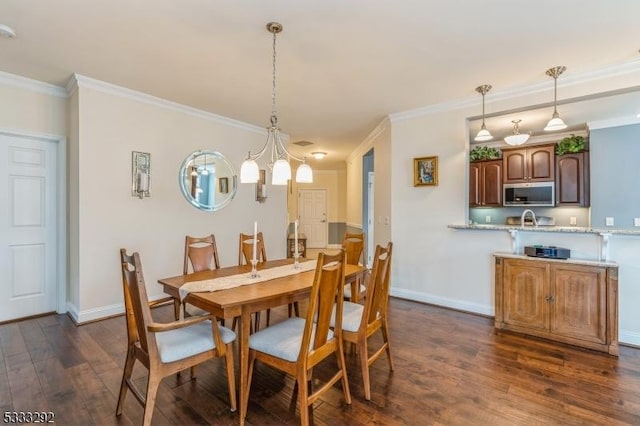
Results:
<point x="550" y="299"/>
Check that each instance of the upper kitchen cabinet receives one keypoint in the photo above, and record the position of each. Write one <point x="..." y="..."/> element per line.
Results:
<point x="485" y="184"/>
<point x="572" y="179"/>
<point x="535" y="163"/>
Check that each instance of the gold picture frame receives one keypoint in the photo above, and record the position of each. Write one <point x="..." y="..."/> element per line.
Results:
<point x="425" y="171"/>
<point x="223" y="183"/>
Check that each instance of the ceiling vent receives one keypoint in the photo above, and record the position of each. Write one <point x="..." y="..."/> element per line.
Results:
<point x="303" y="143"/>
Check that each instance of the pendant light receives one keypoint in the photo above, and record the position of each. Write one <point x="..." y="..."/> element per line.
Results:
<point x="516" y="138"/>
<point x="280" y="156"/>
<point x="483" y="135"/>
<point x="556" y="122"/>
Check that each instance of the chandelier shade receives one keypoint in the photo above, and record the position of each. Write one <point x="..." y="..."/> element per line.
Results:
<point x="556" y="122"/>
<point x="279" y="155"/>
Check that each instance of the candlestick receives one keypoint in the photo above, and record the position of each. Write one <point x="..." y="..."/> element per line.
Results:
<point x="255" y="241"/>
<point x="295" y="239"/>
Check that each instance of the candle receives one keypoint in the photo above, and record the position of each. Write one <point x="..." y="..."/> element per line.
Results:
<point x="255" y="240"/>
<point x="295" y="239"/>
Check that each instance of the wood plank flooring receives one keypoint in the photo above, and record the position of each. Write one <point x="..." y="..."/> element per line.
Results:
<point x="451" y="369"/>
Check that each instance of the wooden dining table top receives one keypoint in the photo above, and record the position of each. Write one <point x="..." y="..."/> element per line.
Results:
<point x="228" y="303"/>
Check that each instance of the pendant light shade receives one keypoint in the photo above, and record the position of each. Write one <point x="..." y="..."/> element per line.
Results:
<point x="516" y="138"/>
<point x="280" y="156"/>
<point x="304" y="174"/>
<point x="483" y="135"/>
<point x="281" y="172"/>
<point x="556" y="122"/>
<point x="249" y="171"/>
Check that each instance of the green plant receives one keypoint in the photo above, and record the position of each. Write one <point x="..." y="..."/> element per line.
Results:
<point x="484" y="153"/>
<point x="571" y="143"/>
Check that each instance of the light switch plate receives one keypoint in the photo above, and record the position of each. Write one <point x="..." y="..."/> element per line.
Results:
<point x="608" y="221"/>
<point x="636" y="221"/>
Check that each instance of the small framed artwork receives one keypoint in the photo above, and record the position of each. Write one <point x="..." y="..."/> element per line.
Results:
<point x="425" y="171"/>
<point x="224" y="185"/>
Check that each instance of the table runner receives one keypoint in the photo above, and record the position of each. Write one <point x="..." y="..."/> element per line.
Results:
<point x="224" y="283"/>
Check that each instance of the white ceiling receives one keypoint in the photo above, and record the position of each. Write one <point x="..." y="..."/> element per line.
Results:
<point x="343" y="65"/>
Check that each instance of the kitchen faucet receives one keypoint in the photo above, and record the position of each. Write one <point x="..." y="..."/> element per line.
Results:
<point x="524" y="214"/>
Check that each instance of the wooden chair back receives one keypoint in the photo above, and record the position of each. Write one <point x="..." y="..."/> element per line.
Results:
<point x="138" y="313"/>
<point x="245" y="249"/>
<point x="201" y="253"/>
<point x="378" y="290"/>
<point x="353" y="243"/>
<point x="327" y="289"/>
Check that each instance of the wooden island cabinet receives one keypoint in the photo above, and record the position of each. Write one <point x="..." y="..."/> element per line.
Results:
<point x="574" y="302"/>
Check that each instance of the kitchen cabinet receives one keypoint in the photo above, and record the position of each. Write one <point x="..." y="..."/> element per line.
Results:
<point x="560" y="300"/>
<point x="535" y="163"/>
<point x="485" y="184"/>
<point x="572" y="179"/>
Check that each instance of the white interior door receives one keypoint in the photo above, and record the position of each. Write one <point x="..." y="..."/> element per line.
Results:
<point x="28" y="218"/>
<point x="312" y="214"/>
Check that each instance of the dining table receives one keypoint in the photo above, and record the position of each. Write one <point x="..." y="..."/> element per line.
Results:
<point x="243" y="300"/>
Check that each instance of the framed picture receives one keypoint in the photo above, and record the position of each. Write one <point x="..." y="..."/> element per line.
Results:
<point x="224" y="185"/>
<point x="425" y="171"/>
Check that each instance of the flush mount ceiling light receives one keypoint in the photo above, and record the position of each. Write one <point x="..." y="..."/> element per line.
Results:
<point x="319" y="155"/>
<point x="279" y="161"/>
<point x="516" y="138"/>
<point x="556" y="122"/>
<point x="483" y="135"/>
<point x="7" y="31"/>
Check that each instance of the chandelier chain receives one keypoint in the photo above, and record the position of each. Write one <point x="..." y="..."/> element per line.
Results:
<point x="274" y="111"/>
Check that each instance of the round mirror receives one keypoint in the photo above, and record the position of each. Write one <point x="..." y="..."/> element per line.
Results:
<point x="207" y="180"/>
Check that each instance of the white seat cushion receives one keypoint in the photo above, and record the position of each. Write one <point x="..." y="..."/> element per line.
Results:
<point x="347" y="290"/>
<point x="283" y="339"/>
<point x="351" y="316"/>
<point x="178" y="344"/>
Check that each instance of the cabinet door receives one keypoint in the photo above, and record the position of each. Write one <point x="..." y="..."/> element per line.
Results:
<point x="515" y="165"/>
<point x="572" y="180"/>
<point x="541" y="162"/>
<point x="525" y="292"/>
<point x="491" y="186"/>
<point x="474" y="185"/>
<point x="579" y="302"/>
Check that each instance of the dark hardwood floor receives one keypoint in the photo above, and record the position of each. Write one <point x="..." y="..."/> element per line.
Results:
<point x="451" y="369"/>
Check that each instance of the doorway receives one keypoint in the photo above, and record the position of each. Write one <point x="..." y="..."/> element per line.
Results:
<point x="312" y="214"/>
<point x="30" y="245"/>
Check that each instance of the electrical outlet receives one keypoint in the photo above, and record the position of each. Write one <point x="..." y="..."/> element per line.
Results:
<point x="608" y="221"/>
<point x="573" y="220"/>
<point x="636" y="221"/>
<point x="487" y="219"/>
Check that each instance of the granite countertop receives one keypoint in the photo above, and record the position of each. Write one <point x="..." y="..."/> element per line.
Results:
<point x="562" y="229"/>
<point x="585" y="262"/>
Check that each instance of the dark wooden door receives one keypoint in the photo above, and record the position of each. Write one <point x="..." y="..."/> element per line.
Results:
<point x="515" y="165"/>
<point x="541" y="163"/>
<point x="491" y="186"/>
<point x="474" y="184"/>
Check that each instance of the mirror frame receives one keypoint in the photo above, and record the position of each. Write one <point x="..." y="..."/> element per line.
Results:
<point x="232" y="183"/>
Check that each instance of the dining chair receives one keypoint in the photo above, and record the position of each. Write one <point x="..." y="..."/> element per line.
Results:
<point x="201" y="253"/>
<point x="295" y="345"/>
<point x="359" y="322"/>
<point x="353" y="244"/>
<point x="165" y="348"/>
<point x="245" y="254"/>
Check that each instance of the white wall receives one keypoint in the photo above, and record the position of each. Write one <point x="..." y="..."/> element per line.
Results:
<point x="454" y="268"/>
<point x="112" y="122"/>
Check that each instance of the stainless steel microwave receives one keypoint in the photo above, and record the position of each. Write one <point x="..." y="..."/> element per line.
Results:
<point x="529" y="194"/>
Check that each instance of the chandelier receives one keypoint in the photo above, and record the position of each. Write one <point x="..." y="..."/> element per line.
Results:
<point x="516" y="138"/>
<point x="279" y="155"/>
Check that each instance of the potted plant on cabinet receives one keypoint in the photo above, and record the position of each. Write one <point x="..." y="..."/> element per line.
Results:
<point x="482" y="153"/>
<point x="571" y="144"/>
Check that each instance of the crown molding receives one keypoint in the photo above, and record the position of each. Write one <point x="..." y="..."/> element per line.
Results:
<point x="32" y="85"/>
<point x="627" y="67"/>
<point x="368" y="140"/>
<point x="80" y="81"/>
<point x="614" y="122"/>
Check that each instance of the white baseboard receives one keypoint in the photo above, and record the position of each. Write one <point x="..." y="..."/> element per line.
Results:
<point x="628" y="337"/>
<point x="89" y="315"/>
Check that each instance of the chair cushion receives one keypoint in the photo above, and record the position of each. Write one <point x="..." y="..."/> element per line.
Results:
<point x="178" y="344"/>
<point x="347" y="290"/>
<point x="351" y="316"/>
<point x="283" y="339"/>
